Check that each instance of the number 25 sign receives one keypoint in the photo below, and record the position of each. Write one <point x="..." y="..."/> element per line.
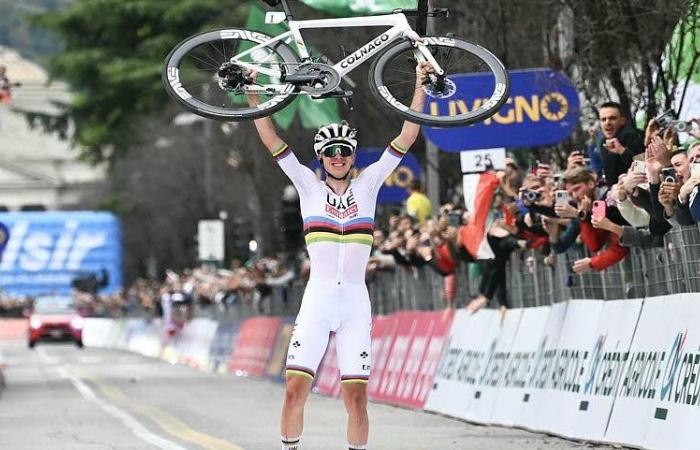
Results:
<point x="476" y="161"/>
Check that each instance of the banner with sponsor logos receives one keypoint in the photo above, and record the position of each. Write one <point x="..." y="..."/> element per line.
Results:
<point x="600" y="384"/>
<point x="658" y="399"/>
<point x="515" y="385"/>
<point x="193" y="343"/>
<point x="395" y="187"/>
<point x="254" y="345"/>
<point x="543" y="109"/>
<point x="383" y="332"/>
<point x="46" y="251"/>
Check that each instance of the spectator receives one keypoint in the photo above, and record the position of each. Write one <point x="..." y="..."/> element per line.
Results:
<point x="581" y="185"/>
<point x="619" y="143"/>
<point x="418" y="205"/>
<point x="5" y="85"/>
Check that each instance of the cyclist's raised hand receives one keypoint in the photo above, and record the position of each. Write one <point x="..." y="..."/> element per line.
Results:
<point x="423" y="69"/>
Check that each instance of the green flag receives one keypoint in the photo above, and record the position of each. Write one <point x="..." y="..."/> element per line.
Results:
<point x="344" y="8"/>
<point x="313" y="113"/>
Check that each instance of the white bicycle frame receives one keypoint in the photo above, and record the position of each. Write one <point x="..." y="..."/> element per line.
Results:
<point x="400" y="29"/>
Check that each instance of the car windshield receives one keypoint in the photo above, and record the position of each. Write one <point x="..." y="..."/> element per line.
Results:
<point x="54" y="305"/>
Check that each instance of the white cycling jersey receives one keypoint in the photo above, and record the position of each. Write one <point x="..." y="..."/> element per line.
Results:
<point x="338" y="233"/>
<point x="338" y="228"/>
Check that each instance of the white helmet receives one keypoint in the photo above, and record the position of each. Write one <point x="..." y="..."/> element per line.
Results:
<point x="335" y="133"/>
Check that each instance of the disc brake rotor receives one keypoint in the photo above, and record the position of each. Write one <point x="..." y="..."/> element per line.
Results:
<point x="444" y="88"/>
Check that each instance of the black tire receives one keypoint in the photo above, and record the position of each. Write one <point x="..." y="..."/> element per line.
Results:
<point x="185" y="93"/>
<point x="31" y="344"/>
<point x="487" y="63"/>
<point x="79" y="343"/>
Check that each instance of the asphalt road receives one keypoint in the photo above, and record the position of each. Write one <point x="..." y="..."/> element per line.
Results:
<point x="62" y="398"/>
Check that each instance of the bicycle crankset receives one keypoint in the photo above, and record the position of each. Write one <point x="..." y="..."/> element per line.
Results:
<point x="315" y="79"/>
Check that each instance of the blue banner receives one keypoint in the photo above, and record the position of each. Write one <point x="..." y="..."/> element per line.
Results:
<point x="543" y="109"/>
<point x="4" y="236"/>
<point x="46" y="251"/>
<point x="395" y="189"/>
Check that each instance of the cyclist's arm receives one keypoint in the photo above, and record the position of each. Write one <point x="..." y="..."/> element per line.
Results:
<point x="410" y="130"/>
<point x="301" y="176"/>
<point x="266" y="129"/>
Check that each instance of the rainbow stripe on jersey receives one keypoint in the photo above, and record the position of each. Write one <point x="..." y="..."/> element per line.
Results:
<point x="396" y="150"/>
<point x="324" y="229"/>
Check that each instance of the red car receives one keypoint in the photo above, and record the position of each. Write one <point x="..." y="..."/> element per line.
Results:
<point x="55" y="318"/>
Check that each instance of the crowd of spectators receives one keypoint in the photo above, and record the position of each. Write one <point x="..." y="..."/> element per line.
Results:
<point x="625" y="189"/>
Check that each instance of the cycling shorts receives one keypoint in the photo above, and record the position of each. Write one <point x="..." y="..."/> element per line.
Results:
<point x="328" y="306"/>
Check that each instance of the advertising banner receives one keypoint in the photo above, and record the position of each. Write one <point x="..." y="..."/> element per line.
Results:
<point x="535" y="394"/>
<point x="603" y="370"/>
<point x="254" y="346"/>
<point x="425" y="325"/>
<point x="513" y="394"/>
<point x="407" y="323"/>
<point x="97" y="332"/>
<point x="464" y="360"/>
<point x="658" y="398"/>
<point x="383" y="332"/>
<point x="543" y="109"/>
<point x="222" y="346"/>
<point x="278" y="361"/>
<point x="395" y="187"/>
<point x="194" y="342"/>
<point x="560" y="402"/>
<point x="47" y="251"/>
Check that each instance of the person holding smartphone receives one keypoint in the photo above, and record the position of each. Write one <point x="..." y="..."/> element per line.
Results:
<point x="619" y="143"/>
<point x="581" y="185"/>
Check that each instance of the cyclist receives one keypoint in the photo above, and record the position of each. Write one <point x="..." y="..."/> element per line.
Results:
<point x="338" y="219"/>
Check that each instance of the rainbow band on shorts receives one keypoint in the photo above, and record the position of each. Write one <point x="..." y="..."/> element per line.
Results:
<point x="300" y="371"/>
<point x="354" y="379"/>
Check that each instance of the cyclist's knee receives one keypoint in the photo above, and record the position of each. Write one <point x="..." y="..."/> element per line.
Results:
<point x="355" y="397"/>
<point x="296" y="389"/>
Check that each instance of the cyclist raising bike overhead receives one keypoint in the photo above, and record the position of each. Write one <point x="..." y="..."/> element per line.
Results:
<point x="338" y="223"/>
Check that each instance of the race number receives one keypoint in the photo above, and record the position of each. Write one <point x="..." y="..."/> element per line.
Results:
<point x="476" y="161"/>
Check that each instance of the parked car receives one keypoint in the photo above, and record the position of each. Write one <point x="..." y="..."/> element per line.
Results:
<point x="55" y="318"/>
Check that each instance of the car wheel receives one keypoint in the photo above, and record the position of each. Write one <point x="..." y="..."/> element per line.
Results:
<point x="79" y="343"/>
<point x="31" y="344"/>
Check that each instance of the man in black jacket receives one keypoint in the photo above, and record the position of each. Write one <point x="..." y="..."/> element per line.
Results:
<point x="619" y="143"/>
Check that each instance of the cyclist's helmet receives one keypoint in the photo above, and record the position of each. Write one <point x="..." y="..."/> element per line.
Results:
<point x="335" y="133"/>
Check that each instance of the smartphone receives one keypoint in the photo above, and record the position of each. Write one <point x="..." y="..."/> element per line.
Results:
<point x="561" y="197"/>
<point x="668" y="175"/>
<point x="455" y="219"/>
<point x="639" y="167"/>
<point x="599" y="209"/>
<point x="695" y="169"/>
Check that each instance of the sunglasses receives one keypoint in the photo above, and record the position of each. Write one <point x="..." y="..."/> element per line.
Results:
<point x="338" y="149"/>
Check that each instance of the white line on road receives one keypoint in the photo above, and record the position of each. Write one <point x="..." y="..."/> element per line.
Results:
<point x="128" y="421"/>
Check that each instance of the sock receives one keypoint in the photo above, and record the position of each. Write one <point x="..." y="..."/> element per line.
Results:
<point x="357" y="447"/>
<point x="290" y="443"/>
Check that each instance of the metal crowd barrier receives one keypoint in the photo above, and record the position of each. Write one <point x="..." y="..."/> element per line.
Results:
<point x="673" y="268"/>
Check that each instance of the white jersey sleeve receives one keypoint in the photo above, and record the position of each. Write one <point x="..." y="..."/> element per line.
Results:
<point x="375" y="174"/>
<point x="303" y="179"/>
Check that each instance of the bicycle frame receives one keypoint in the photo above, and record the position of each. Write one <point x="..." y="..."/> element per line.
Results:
<point x="400" y="29"/>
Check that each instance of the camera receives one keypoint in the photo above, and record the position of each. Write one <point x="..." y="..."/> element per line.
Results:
<point x="666" y="118"/>
<point x="455" y="219"/>
<point x="532" y="196"/>
<point x="668" y="174"/>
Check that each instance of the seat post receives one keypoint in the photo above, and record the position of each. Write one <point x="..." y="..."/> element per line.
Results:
<point x="287" y="10"/>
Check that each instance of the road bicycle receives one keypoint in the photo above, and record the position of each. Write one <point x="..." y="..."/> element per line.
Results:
<point x="211" y="73"/>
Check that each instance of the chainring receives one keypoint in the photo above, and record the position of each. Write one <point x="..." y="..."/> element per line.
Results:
<point x="327" y="78"/>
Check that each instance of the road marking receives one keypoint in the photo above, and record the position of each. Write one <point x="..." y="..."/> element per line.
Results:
<point x="46" y="359"/>
<point x="128" y="421"/>
<point x="168" y="423"/>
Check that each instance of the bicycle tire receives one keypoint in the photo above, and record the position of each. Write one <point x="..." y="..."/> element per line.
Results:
<point x="497" y="98"/>
<point x="174" y="87"/>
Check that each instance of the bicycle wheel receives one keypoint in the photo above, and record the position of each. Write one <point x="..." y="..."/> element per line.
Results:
<point x="198" y="74"/>
<point x="475" y="85"/>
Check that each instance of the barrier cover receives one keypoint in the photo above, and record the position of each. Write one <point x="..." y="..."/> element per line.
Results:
<point x="254" y="346"/>
<point x="194" y="342"/>
<point x="222" y="346"/>
<point x="383" y="332"/>
<point x="658" y="400"/>
<point x="11" y="329"/>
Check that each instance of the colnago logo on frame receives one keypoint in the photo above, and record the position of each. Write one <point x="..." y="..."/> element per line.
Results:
<point x="35" y="250"/>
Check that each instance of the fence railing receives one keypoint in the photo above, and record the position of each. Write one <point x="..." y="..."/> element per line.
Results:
<point x="673" y="268"/>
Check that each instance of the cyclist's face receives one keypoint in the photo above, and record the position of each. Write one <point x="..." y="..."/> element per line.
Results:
<point x="338" y="165"/>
